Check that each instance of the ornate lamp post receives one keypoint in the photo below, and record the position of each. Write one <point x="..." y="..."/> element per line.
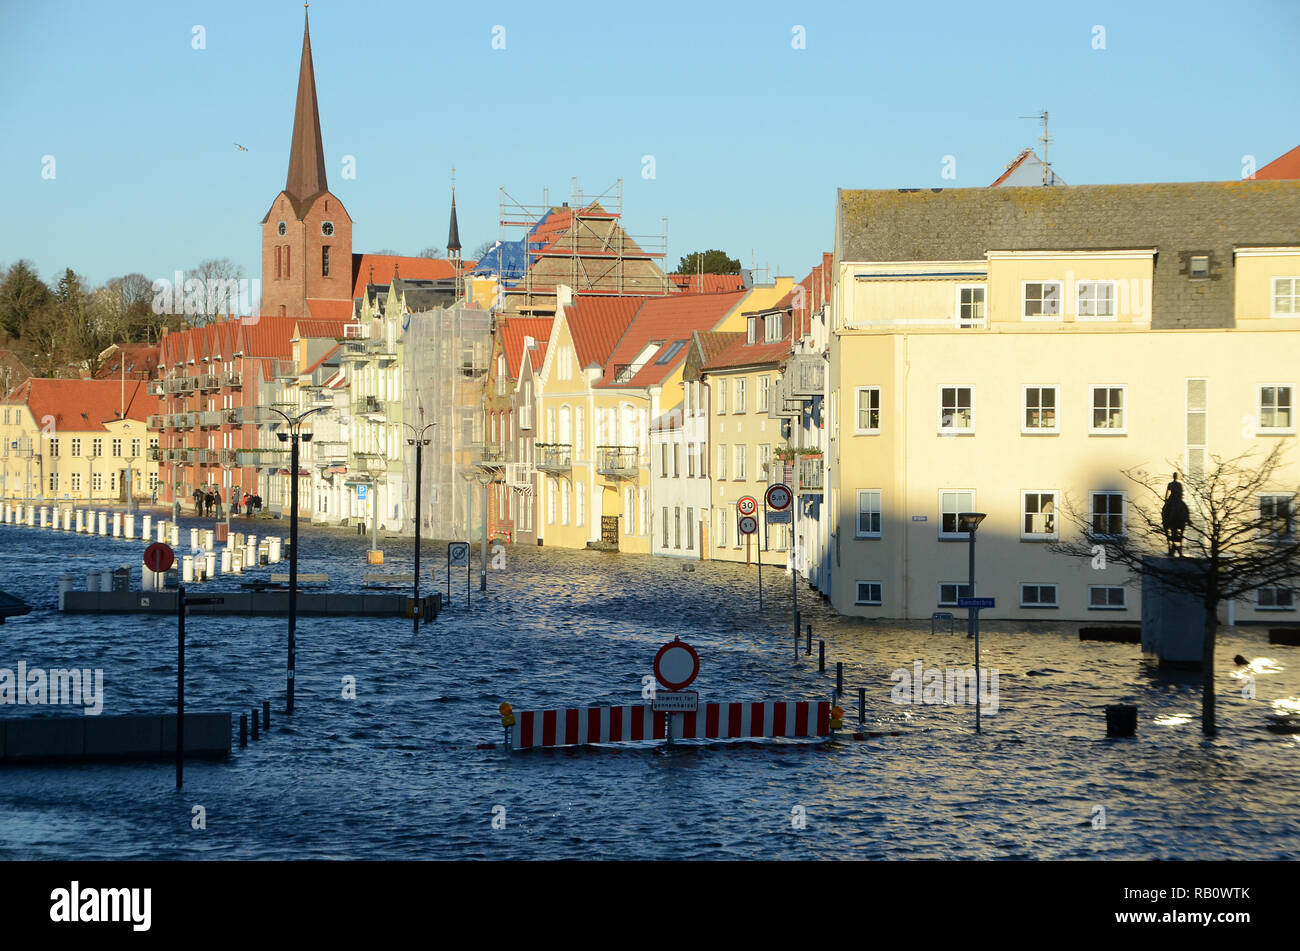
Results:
<point x="419" y="441"/>
<point x="292" y="436"/>
<point x="969" y="522"/>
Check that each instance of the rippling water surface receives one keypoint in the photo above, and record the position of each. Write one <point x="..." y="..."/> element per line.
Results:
<point x="393" y="774"/>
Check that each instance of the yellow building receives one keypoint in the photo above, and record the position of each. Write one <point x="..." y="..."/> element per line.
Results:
<point x="78" y="441"/>
<point x="1044" y="341"/>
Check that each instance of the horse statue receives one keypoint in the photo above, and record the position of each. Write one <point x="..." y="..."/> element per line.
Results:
<point x="1174" y="517"/>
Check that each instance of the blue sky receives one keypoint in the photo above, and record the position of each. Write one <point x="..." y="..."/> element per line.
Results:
<point x="750" y="136"/>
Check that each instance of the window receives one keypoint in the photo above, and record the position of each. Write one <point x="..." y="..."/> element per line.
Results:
<point x="76" y="482"/>
<point x="75" y="447"/>
<point x="97" y="481"/>
<point x="1038" y="596"/>
<point x="956" y="409"/>
<point x="772" y="328"/>
<point x="722" y="462"/>
<point x="1275" y="517"/>
<point x="1104" y="597"/>
<point x="677" y="528"/>
<point x="116" y="446"/>
<point x="97" y="447"/>
<point x="764" y="463"/>
<point x="1286" y="297"/>
<point x="690" y="460"/>
<point x="722" y="528"/>
<point x="868" y="592"/>
<point x="1108" y="513"/>
<point x="734" y="517"/>
<point x="581" y="490"/>
<point x="677" y="460"/>
<point x="868" y="410"/>
<point x="286" y="260"/>
<point x="722" y="396"/>
<point x="951" y="503"/>
<point x="764" y="393"/>
<point x="950" y="591"/>
<point x="112" y="482"/>
<point x="1040" y="410"/>
<point x="277" y="255"/>
<point x="1096" y="299"/>
<point x="1197" y="425"/>
<point x="54" y="482"/>
<point x="54" y="446"/>
<point x="550" y="501"/>
<point x="135" y="449"/>
<point x="1038" y="515"/>
<point x="970" y="306"/>
<point x="665" y="520"/>
<point x="663" y="459"/>
<point x="741" y="453"/>
<point x="740" y="396"/>
<point x="1275" y="599"/>
<point x="1276" y="407"/>
<point x="1198" y="265"/>
<point x="667" y="356"/>
<point x="1108" y="410"/>
<point x="564" y="502"/>
<point x="690" y="529"/>
<point x="1042" y="299"/>
<point x="153" y="482"/>
<point x="751" y="329"/>
<point x="868" y="513"/>
<point x="325" y="261"/>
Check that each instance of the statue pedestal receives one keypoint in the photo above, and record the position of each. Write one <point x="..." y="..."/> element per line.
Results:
<point x="1173" y="620"/>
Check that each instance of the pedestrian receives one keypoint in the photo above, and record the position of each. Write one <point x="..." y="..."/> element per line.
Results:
<point x="248" y="504"/>
<point x="257" y="503"/>
<point x="216" y="496"/>
<point x="234" y="501"/>
<point x="198" y="501"/>
<point x="154" y="497"/>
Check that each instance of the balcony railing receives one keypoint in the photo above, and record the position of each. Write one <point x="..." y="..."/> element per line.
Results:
<point x="209" y="381"/>
<point x="211" y="417"/>
<point x="554" y="457"/>
<point x="229" y="458"/>
<point x="490" y="455"/>
<point x="805" y="375"/>
<point x="156" y="422"/>
<point x="811" y="472"/>
<point x="369" y="404"/>
<point x="623" y="372"/>
<point x="230" y="379"/>
<point x="619" y="462"/>
<point x="233" y="417"/>
<point x="353" y="350"/>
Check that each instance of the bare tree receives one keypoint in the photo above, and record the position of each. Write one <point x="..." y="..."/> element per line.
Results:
<point x="220" y="278"/>
<point x="1236" y="541"/>
<point x="431" y="253"/>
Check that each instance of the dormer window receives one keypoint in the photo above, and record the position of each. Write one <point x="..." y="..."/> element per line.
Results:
<point x="772" y="328"/>
<point x="753" y="329"/>
<point x="1198" y="265"/>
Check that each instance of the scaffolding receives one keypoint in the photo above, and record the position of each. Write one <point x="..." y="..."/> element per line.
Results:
<point x="444" y="365"/>
<point x="581" y="244"/>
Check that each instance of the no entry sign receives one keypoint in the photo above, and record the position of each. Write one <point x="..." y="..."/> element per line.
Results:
<point x="676" y="665"/>
<point x="159" y="557"/>
<point x="748" y="505"/>
<point x="779" y="496"/>
<point x="748" y="525"/>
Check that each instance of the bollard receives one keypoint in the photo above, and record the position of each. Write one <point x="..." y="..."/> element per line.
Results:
<point x="162" y="530"/>
<point x="67" y="520"/>
<point x="44" y="515"/>
<point x="236" y="562"/>
<point x="821" y="657"/>
<point x="1121" y="720"/>
<point x="176" y="535"/>
<point x="130" y="526"/>
<point x="243" y="729"/>
<point x="808" y="650"/>
<point x="92" y="580"/>
<point x="103" y="523"/>
<point x="187" y="569"/>
<point x="209" y="539"/>
<point x="209" y="564"/>
<point x="266" y="715"/>
<point x="146" y="529"/>
<point x="31" y="515"/>
<point x="225" y="560"/>
<point x="117" y="525"/>
<point x="255" y="731"/>
<point x="194" y="538"/>
<point x="862" y="704"/>
<point x="839" y="678"/>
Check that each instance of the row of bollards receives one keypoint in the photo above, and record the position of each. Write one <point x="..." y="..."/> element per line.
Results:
<point x="264" y="723"/>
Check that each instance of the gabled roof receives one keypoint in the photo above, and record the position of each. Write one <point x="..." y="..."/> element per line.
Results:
<point x="137" y="358"/>
<point x="1284" y="166"/>
<point x="422" y="269"/>
<point x="596" y="324"/>
<point x="330" y="309"/>
<point x="84" y="405"/>
<point x="321" y="328"/>
<point x="672" y="321"/>
<point x="1027" y="169"/>
<point x="736" y="351"/>
<point x="269" y="337"/>
<point x="513" y="330"/>
<point x="707" y="283"/>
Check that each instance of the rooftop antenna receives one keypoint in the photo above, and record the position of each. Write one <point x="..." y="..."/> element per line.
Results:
<point x="1043" y="140"/>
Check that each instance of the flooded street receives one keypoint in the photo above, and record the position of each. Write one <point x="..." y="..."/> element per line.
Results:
<point x="394" y="773"/>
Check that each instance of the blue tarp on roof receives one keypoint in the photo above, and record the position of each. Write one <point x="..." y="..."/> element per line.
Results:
<point x="509" y="259"/>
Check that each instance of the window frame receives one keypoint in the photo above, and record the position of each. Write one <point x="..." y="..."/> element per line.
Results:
<point x="1259" y="592"/>
<point x="954" y="431"/>
<point x="957" y="586"/>
<point x="1041" y="605"/>
<point x="879" y="513"/>
<point x="1055" y="429"/>
<point x="1121" y="430"/>
<point x="1294" y="295"/>
<point x="955" y="536"/>
<point x="1096" y="318"/>
<point x="858" y="430"/>
<point x="1052" y="535"/>
<point x="964" y="323"/>
<point x="1260" y="428"/>
<point x="1122" y="606"/>
<point x="1042" y="318"/>
<point x="739" y="402"/>
<point x="1123" y="512"/>
<point x="868" y="602"/>
<point x="1273" y="537"/>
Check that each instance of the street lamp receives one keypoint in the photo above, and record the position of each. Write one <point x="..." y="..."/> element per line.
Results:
<point x="485" y="479"/>
<point x="969" y="522"/>
<point x="294" y="434"/>
<point x="419" y="441"/>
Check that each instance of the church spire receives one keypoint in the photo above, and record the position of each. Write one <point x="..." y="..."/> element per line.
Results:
<point x="453" y="234"/>
<point x="306" y="154"/>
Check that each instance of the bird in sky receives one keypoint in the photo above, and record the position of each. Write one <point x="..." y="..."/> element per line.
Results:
<point x="240" y="147"/>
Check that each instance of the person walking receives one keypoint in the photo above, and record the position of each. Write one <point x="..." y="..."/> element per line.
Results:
<point x="198" y="501"/>
<point x="216" y="501"/>
<point x="234" y="501"/>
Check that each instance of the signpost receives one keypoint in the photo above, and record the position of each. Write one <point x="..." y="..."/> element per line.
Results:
<point x="748" y="525"/>
<point x="747" y="505"/>
<point x="974" y="605"/>
<point x="676" y="666"/>
<point x="778" y="499"/>
<point x="159" y="557"/>
<point x="458" y="556"/>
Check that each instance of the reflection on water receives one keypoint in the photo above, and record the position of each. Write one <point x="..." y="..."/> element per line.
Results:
<point x="394" y="774"/>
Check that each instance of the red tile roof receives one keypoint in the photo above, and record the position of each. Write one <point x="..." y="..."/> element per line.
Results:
<point x="269" y="337"/>
<point x="138" y="358"/>
<point x="1285" y="166"/>
<point x="513" y="331"/>
<point x="737" y="352"/>
<point x="597" y="323"/>
<point x="330" y="309"/>
<point x="84" y="405"/>
<point x="707" y="283"/>
<point x="412" y="269"/>
<point x="322" y="328"/>
<point x="670" y="320"/>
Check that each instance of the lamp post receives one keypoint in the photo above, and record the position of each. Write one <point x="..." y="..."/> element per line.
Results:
<point x="292" y="436"/>
<point x="484" y="479"/>
<point x="419" y="441"/>
<point x="969" y="522"/>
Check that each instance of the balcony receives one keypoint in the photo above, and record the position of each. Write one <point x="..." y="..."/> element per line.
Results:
<point x="519" y="476"/>
<point x="211" y="417"/>
<point x="554" y="458"/>
<point x="490" y="456"/>
<point x="209" y="381"/>
<point x="261" y="458"/>
<point x="231" y="379"/>
<point x="617" y="462"/>
<point x="353" y="350"/>
<point x="368" y="406"/>
<point x="806" y="375"/>
<point x="206" y="457"/>
<point x="623" y="372"/>
<point x="233" y="417"/>
<point x="229" y="458"/>
<point x="811" y="473"/>
<point x="156" y="422"/>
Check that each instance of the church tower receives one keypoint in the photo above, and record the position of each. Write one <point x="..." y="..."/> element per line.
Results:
<point x="307" y="233"/>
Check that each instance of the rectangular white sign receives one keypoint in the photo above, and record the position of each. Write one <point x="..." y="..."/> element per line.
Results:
<point x="785" y="516"/>
<point x="676" y="701"/>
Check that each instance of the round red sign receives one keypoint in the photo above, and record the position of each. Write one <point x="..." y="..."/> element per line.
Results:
<point x="676" y="665"/>
<point x="159" y="557"/>
<point x="779" y="496"/>
<point x="748" y="525"/>
<point x="747" y="505"/>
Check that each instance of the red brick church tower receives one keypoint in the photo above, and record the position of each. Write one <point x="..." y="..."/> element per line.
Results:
<point x="307" y="233"/>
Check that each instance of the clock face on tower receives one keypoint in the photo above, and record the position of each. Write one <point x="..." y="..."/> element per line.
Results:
<point x="327" y="228"/>
<point x="281" y="228"/>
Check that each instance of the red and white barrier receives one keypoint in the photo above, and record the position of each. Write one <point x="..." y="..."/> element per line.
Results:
<point x="713" y="721"/>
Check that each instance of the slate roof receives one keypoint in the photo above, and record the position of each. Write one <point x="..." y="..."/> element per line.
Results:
<point x="1177" y="219"/>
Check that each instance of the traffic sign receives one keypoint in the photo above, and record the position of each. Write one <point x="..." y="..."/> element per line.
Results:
<point x="458" y="554"/>
<point x="779" y="517"/>
<point x="748" y="525"/>
<point x="975" y="602"/>
<point x="676" y="665"/>
<point x="159" y="557"/>
<point x="779" y="496"/>
<point x="748" y="505"/>
<point x="361" y="492"/>
<point x="676" y="701"/>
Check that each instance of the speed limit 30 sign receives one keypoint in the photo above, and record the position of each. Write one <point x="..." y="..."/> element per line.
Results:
<point x="747" y="505"/>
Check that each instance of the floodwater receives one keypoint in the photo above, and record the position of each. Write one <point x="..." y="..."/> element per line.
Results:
<point x="394" y="773"/>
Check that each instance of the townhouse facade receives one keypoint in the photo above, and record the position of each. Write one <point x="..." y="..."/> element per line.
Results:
<point x="1020" y="361"/>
